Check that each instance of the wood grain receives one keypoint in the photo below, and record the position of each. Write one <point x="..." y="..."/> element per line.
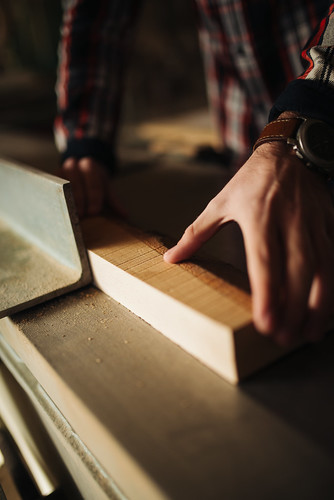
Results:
<point x="208" y="315"/>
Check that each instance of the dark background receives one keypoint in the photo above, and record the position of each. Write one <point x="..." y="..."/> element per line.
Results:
<point x="165" y="75"/>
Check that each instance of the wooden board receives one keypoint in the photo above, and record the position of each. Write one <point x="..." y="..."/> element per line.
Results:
<point x="207" y="315"/>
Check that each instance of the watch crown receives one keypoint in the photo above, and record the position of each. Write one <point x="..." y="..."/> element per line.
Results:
<point x="298" y="153"/>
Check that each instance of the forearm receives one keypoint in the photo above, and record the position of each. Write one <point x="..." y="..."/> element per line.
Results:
<point x="95" y="39"/>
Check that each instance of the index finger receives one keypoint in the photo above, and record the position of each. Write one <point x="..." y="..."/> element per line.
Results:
<point x="201" y="230"/>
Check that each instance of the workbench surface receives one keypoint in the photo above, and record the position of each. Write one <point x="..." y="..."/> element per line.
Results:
<point x="148" y="421"/>
<point x="161" y="425"/>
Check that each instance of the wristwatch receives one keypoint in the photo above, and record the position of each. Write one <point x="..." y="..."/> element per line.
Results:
<point x="312" y="140"/>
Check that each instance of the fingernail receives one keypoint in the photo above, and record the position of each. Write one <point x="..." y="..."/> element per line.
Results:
<point x="167" y="254"/>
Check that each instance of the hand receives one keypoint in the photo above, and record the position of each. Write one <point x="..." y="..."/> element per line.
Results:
<point x="90" y="184"/>
<point x="286" y="215"/>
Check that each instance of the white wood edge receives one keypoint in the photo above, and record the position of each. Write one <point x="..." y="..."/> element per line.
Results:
<point x="113" y="457"/>
<point x="180" y="323"/>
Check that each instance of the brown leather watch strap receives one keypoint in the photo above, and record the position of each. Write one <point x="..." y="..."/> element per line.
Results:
<point x="279" y="130"/>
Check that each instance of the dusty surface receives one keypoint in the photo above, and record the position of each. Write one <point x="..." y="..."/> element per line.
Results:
<point x="26" y="272"/>
<point x="196" y="435"/>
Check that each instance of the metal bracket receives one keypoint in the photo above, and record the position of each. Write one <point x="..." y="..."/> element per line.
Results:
<point x="42" y="254"/>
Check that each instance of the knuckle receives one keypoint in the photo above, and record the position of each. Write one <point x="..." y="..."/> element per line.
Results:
<point x="217" y="206"/>
<point x="191" y="232"/>
<point x="69" y="164"/>
<point x="86" y="164"/>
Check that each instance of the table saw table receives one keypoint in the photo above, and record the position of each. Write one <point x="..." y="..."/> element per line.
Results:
<point x="133" y="416"/>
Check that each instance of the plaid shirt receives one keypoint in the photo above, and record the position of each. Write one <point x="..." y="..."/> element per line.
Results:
<point x="251" y="51"/>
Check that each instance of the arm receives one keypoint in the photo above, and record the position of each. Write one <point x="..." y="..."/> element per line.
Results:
<point x="95" y="39"/>
<point x="285" y="212"/>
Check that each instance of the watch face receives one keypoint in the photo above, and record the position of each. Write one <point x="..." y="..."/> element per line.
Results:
<point x="316" y="143"/>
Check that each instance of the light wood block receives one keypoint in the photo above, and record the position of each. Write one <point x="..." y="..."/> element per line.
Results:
<point x="207" y="315"/>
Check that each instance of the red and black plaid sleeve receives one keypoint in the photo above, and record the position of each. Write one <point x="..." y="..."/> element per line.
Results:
<point x="312" y="94"/>
<point x="251" y="52"/>
<point x="95" y="38"/>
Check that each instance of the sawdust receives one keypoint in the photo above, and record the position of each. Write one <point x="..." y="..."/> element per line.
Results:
<point x="26" y="272"/>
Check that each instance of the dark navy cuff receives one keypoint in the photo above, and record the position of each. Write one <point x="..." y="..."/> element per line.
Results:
<point x="90" y="147"/>
<point x="309" y="98"/>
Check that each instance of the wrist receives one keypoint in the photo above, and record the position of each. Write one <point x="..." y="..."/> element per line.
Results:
<point x="310" y="140"/>
<point x="289" y="114"/>
<point x="275" y="149"/>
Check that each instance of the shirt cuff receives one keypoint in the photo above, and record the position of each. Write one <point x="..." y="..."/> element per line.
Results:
<point x="307" y="98"/>
<point x="93" y="148"/>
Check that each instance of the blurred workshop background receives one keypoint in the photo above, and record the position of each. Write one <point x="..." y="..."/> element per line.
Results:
<point x="165" y="80"/>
